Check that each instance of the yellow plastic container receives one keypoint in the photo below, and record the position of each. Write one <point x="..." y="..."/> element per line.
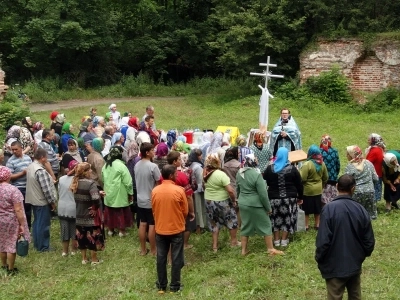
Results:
<point x="233" y="132"/>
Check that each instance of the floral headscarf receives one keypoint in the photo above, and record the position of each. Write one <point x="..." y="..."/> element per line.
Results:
<point x="356" y="157"/>
<point x="241" y="141"/>
<point x="81" y="172"/>
<point x="250" y="163"/>
<point x="314" y="155"/>
<point x="258" y="138"/>
<point x="37" y="126"/>
<point x="25" y="122"/>
<point x="5" y="173"/>
<point x="326" y="142"/>
<point x="133" y="150"/>
<point x="60" y="118"/>
<point x="115" y="153"/>
<point x="98" y="144"/>
<point x="212" y="162"/>
<point x="376" y="140"/>
<point x="97" y="120"/>
<point x="14" y="132"/>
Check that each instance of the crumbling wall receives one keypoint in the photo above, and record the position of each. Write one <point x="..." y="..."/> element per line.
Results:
<point x="369" y="70"/>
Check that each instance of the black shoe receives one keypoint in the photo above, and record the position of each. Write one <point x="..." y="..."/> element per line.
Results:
<point x="4" y="267"/>
<point x="395" y="205"/>
<point x="12" y="272"/>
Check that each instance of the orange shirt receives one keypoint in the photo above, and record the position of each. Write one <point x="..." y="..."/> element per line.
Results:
<point x="170" y="208"/>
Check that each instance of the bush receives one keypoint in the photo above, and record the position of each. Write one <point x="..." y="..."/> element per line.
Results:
<point x="386" y="100"/>
<point x="331" y="86"/>
<point x="12" y="109"/>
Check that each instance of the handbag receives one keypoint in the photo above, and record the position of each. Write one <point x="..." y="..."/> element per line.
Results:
<point x="301" y="220"/>
<point x="22" y="246"/>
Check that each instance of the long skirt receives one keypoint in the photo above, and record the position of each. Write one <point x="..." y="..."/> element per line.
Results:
<point x="200" y="209"/>
<point x="221" y="213"/>
<point x="284" y="214"/>
<point x="254" y="220"/>
<point x="90" y="237"/>
<point x="120" y="217"/>
<point x="68" y="229"/>
<point x="366" y="199"/>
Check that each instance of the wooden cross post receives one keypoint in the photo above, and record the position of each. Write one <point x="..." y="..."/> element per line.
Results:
<point x="264" y="99"/>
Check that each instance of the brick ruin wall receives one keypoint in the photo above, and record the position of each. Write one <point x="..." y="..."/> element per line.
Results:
<point x="369" y="71"/>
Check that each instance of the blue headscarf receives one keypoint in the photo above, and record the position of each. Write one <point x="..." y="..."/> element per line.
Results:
<point x="281" y="161"/>
<point x="314" y="154"/>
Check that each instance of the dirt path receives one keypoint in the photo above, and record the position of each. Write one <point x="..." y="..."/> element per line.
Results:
<point x="87" y="103"/>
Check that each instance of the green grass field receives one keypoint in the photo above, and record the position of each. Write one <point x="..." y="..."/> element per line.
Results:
<point x="225" y="275"/>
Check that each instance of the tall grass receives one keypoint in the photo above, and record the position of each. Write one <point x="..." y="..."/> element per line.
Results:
<point x="49" y="90"/>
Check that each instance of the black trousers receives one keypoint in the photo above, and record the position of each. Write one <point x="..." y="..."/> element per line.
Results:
<point x="164" y="243"/>
<point x="336" y="286"/>
<point x="27" y="208"/>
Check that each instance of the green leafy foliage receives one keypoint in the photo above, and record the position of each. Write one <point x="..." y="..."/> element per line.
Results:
<point x="12" y="109"/>
<point x="386" y="100"/>
<point x="330" y="86"/>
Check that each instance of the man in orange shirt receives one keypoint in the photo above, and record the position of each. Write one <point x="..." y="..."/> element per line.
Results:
<point x="170" y="208"/>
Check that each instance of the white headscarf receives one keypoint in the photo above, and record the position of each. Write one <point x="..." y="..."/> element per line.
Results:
<point x="389" y="158"/>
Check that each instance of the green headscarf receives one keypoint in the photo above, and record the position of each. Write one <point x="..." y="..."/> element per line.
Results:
<point x="98" y="144"/>
<point x="66" y="129"/>
<point x="108" y="115"/>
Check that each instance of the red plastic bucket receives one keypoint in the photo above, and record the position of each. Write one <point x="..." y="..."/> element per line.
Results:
<point x="189" y="137"/>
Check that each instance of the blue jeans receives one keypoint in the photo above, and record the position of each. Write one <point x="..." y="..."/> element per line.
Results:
<point x="41" y="227"/>
<point x="164" y="242"/>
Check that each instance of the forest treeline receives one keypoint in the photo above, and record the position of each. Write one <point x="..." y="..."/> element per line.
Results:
<point x="95" y="42"/>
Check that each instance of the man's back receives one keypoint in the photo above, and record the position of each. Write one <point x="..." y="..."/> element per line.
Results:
<point x="146" y="176"/>
<point x="345" y="238"/>
<point x="170" y="208"/>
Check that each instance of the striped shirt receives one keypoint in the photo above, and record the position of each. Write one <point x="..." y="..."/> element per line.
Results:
<point x="17" y="165"/>
<point x="51" y="156"/>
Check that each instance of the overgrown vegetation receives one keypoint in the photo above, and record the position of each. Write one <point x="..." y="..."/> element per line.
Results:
<point x="92" y="43"/>
<point x="12" y="109"/>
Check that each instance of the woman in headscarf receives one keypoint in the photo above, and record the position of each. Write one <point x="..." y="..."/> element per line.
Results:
<point x="254" y="205"/>
<point x="260" y="151"/>
<point x="27" y="123"/>
<point x="27" y="141"/>
<point x="241" y="142"/>
<point x="314" y="176"/>
<point x="391" y="179"/>
<point x="58" y="124"/>
<point x="96" y="160"/>
<point x="161" y="155"/>
<point x="220" y="201"/>
<point x="231" y="164"/>
<point x="12" y="221"/>
<point x="118" y="190"/>
<point x="216" y="147"/>
<point x="89" y="231"/>
<point x="374" y="153"/>
<point x="67" y="210"/>
<point x="285" y="191"/>
<point x="37" y="132"/>
<point x="99" y="126"/>
<point x="196" y="165"/>
<point x="131" y="131"/>
<point x="332" y="162"/>
<point x="364" y="173"/>
<point x="53" y="116"/>
<point x="66" y="135"/>
<point x="183" y="149"/>
<point x="118" y="140"/>
<point x="207" y="137"/>
<point x="73" y="150"/>
<point x="133" y="158"/>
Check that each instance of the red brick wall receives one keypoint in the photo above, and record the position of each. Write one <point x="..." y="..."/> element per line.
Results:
<point x="366" y="74"/>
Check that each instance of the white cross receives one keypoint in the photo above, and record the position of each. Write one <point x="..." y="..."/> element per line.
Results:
<point x="264" y="99"/>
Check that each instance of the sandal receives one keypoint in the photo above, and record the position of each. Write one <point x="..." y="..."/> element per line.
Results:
<point x="215" y="250"/>
<point x="273" y="252"/>
<point x="238" y="244"/>
<point x="143" y="254"/>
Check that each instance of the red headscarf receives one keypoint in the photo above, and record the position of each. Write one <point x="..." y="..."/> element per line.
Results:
<point x="53" y="115"/>
<point x="133" y="122"/>
<point x="325" y="142"/>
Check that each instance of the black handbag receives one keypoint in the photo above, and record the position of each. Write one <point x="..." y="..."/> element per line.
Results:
<point x="22" y="246"/>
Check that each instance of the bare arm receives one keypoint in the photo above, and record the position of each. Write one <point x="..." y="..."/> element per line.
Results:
<point x="19" y="212"/>
<point x="231" y="193"/>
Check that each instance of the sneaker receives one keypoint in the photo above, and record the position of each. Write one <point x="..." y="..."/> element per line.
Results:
<point x="161" y="291"/>
<point x="73" y="253"/>
<point x="122" y="234"/>
<point x="110" y="233"/>
<point x="284" y="243"/>
<point x="95" y="263"/>
<point x="277" y="243"/>
<point x="64" y="254"/>
<point x="85" y="262"/>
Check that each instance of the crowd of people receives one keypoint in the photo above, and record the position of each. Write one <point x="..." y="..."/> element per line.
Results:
<point x="120" y="171"/>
